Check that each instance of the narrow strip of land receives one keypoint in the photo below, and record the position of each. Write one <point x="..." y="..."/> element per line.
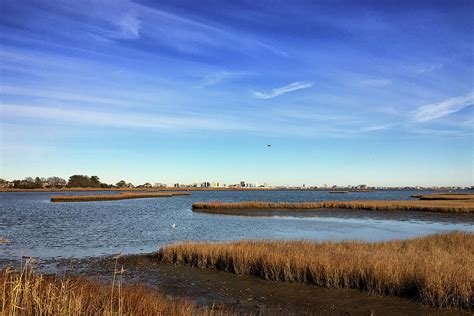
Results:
<point x="113" y="197"/>
<point x="446" y="196"/>
<point x="436" y="270"/>
<point x="444" y="206"/>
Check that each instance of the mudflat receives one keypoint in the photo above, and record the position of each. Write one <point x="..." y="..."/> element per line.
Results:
<point x="247" y="294"/>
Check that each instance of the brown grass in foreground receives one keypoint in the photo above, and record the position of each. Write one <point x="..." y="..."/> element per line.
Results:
<point x="24" y="293"/>
<point x="113" y="197"/>
<point x="437" y="270"/>
<point x="449" y="206"/>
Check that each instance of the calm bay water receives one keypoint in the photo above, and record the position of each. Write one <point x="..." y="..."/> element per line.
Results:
<point x="46" y="230"/>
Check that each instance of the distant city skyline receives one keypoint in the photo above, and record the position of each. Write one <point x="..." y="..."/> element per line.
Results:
<point x="60" y="182"/>
<point x="84" y="181"/>
<point x="360" y="92"/>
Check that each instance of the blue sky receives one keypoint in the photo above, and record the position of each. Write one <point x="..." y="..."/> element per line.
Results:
<point x="347" y="92"/>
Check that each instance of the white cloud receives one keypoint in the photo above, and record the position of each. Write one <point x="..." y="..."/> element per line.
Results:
<point x="436" y="110"/>
<point x="374" y="128"/>
<point x="197" y="36"/>
<point x="282" y="90"/>
<point x="184" y="121"/>
<point x="423" y="69"/>
<point x="219" y="76"/>
<point x="122" y="18"/>
<point x="129" y="26"/>
<point x="121" y="119"/>
<point x="60" y="95"/>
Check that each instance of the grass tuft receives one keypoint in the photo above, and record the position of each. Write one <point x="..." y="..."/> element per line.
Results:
<point x="26" y="293"/>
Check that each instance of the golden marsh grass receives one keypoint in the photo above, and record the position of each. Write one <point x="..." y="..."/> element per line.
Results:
<point x="25" y="293"/>
<point x="444" y="206"/>
<point x="113" y="197"/>
<point x="446" y="196"/>
<point x="4" y="241"/>
<point x="436" y="270"/>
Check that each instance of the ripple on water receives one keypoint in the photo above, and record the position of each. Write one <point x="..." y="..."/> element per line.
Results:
<point x="43" y="229"/>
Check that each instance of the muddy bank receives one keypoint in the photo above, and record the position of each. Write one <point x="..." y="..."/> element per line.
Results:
<point x="245" y="294"/>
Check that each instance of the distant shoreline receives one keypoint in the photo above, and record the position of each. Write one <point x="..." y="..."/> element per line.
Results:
<point x="77" y="189"/>
<point x="137" y="189"/>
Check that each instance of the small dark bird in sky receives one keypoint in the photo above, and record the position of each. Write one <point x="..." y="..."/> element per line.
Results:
<point x="269" y="145"/>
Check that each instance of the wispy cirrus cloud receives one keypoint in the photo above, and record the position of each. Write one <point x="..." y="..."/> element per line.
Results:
<point x="374" y="128"/>
<point x="423" y="69"/>
<point x="59" y="95"/>
<point x="107" y="19"/>
<point x="219" y="76"/>
<point x="120" y="119"/>
<point x="437" y="110"/>
<point x="185" y="121"/>
<point x="298" y="85"/>
<point x="129" y="26"/>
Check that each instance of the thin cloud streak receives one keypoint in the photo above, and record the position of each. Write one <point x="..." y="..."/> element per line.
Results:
<point x="127" y="120"/>
<point x="60" y="95"/>
<point x="375" y="128"/>
<point x="429" y="68"/>
<point x="218" y="77"/>
<point x="283" y="90"/>
<point x="434" y="111"/>
<point x="122" y="17"/>
<point x="193" y="36"/>
<point x="120" y="120"/>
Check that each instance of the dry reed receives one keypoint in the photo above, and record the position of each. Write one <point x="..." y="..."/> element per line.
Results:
<point x="437" y="270"/>
<point x="448" y="206"/>
<point x="25" y="293"/>
<point x="113" y="197"/>
<point x="446" y="196"/>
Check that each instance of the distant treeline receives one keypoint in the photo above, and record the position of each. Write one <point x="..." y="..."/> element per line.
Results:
<point x="75" y="181"/>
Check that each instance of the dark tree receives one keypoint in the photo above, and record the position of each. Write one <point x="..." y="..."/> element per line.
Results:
<point x="121" y="184"/>
<point x="56" y="182"/>
<point x="80" y="181"/>
<point x="27" y="183"/>
<point x="95" y="181"/>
